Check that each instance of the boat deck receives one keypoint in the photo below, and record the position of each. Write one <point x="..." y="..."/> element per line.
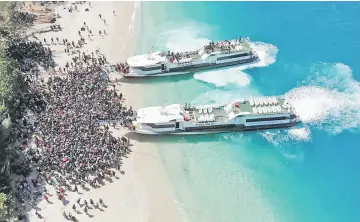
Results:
<point x="225" y="47"/>
<point x="219" y="115"/>
<point x="185" y="57"/>
<point x="260" y="106"/>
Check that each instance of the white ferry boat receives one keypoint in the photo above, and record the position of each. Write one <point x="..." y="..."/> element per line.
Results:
<point x="238" y="115"/>
<point x="213" y="55"/>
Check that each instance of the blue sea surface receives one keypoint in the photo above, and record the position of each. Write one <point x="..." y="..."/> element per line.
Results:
<point x="310" y="53"/>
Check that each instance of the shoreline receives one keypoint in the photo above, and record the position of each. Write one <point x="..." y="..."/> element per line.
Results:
<point x="144" y="193"/>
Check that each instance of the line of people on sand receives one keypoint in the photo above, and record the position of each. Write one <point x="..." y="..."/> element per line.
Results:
<point x="119" y="67"/>
<point x="85" y="206"/>
<point x="68" y="147"/>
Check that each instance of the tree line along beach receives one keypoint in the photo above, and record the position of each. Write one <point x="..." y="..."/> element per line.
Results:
<point x="59" y="159"/>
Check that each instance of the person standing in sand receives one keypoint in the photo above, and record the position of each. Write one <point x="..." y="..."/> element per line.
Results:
<point x="38" y="215"/>
<point x="46" y="198"/>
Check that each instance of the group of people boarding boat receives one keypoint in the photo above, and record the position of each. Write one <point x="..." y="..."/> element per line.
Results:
<point x="122" y="67"/>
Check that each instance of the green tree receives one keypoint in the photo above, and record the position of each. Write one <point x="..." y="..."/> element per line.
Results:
<point x="6" y="10"/>
<point x="9" y="76"/>
<point x="3" y="207"/>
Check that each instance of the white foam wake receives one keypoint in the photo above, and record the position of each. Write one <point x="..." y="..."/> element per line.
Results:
<point x="224" y="76"/>
<point x="235" y="75"/>
<point x="330" y="99"/>
<point x="221" y="97"/>
<point x="277" y="137"/>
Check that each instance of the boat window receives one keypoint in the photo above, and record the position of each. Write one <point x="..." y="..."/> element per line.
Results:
<point x="233" y="56"/>
<point x="152" y="125"/>
<point x="211" y="127"/>
<point x="267" y="119"/>
<point x="143" y="68"/>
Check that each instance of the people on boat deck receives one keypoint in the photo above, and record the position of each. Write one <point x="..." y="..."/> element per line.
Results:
<point x="224" y="46"/>
<point x="180" y="55"/>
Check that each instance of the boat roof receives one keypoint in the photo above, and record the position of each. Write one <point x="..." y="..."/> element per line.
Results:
<point x="243" y="107"/>
<point x="160" y="114"/>
<point x="146" y="59"/>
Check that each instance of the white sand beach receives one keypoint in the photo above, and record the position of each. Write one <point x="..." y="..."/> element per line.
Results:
<point x="144" y="192"/>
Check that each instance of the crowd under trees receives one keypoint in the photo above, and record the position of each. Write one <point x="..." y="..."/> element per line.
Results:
<point x="20" y="64"/>
<point x="11" y="88"/>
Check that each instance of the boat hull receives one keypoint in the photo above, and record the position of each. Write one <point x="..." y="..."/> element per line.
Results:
<point x="136" y="75"/>
<point x="240" y="128"/>
<point x="193" y="70"/>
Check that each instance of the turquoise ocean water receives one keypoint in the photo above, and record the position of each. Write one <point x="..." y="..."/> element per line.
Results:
<point x="310" y="52"/>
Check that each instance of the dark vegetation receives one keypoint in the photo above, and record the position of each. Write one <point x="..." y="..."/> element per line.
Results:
<point x="17" y="65"/>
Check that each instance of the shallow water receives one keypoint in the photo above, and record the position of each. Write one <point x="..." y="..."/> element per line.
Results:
<point x="310" y="53"/>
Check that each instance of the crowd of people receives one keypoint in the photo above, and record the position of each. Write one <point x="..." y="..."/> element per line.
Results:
<point x="70" y="146"/>
<point x="30" y="54"/>
<point x="65" y="140"/>
<point x="224" y="46"/>
<point x="23" y="18"/>
<point x="68" y="131"/>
